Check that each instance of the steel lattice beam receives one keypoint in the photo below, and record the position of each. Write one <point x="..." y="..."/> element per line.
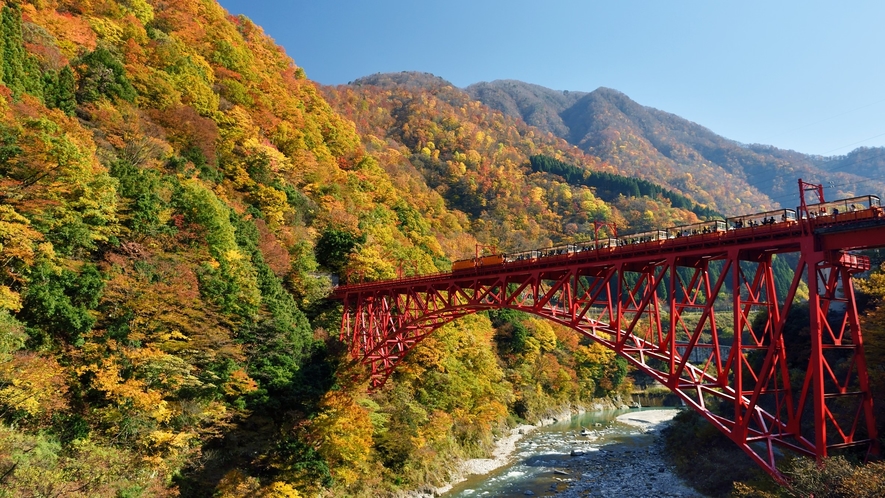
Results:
<point x="621" y="303"/>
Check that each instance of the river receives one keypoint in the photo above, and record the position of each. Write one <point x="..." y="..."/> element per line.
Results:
<point x="591" y="454"/>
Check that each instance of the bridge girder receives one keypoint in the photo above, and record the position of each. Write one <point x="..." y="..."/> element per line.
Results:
<point x="663" y="314"/>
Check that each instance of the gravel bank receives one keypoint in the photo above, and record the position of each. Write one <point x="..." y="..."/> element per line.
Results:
<point x="502" y="454"/>
<point x="634" y="467"/>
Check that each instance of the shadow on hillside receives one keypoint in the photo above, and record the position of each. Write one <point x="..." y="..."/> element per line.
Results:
<point x="266" y="444"/>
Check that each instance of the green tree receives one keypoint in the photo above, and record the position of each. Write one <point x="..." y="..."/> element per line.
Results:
<point x="103" y="75"/>
<point x="20" y="71"/>
<point x="334" y="246"/>
<point x="61" y="91"/>
<point x="60" y="303"/>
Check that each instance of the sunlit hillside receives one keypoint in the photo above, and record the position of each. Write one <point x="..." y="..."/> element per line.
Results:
<point x="177" y="200"/>
<point x="649" y="143"/>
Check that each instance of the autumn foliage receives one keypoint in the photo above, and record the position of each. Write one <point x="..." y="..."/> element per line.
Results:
<point x="176" y="201"/>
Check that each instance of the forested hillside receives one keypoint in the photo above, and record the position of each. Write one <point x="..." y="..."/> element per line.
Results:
<point x="477" y="159"/>
<point x="537" y="106"/>
<point x="176" y="200"/>
<point x="683" y="156"/>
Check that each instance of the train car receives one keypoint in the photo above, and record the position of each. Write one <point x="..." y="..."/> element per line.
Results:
<point x="464" y="264"/>
<point x="853" y="208"/>
<point x="523" y="256"/>
<point x="563" y="250"/>
<point x="756" y="220"/>
<point x="643" y="237"/>
<point x="478" y="262"/>
<point x="595" y="245"/>
<point x="702" y="228"/>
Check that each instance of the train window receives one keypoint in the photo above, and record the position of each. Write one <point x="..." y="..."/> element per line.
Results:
<point x="704" y="227"/>
<point x="761" y="219"/>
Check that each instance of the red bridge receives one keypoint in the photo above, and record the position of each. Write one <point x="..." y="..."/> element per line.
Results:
<point x="659" y="299"/>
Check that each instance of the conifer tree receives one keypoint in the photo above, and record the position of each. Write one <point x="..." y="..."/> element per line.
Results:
<point x="20" y="71"/>
<point x="102" y="75"/>
<point x="13" y="48"/>
<point x="65" y="91"/>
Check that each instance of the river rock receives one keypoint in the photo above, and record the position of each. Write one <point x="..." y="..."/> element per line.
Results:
<point x="620" y="470"/>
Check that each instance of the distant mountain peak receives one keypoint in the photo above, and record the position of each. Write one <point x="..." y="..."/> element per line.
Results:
<point x="672" y="151"/>
<point x="536" y="105"/>
<point x="403" y="79"/>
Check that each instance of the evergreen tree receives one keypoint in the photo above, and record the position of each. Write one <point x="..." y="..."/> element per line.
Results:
<point x="20" y="70"/>
<point x="103" y="75"/>
<point x="13" y="49"/>
<point x="65" y="91"/>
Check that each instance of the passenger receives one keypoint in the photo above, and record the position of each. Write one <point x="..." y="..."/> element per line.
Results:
<point x="835" y="211"/>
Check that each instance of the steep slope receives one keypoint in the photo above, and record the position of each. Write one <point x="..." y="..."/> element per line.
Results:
<point x="686" y="157"/>
<point x="175" y="197"/>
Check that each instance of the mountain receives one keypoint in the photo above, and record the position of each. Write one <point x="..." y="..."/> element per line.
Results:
<point x="478" y="160"/>
<point x="866" y="161"/>
<point x="176" y="199"/>
<point x="405" y="79"/>
<point x="536" y="105"/>
<point x="681" y="155"/>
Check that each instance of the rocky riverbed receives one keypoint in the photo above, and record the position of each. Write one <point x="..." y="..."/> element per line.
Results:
<point x="634" y="467"/>
<point x="595" y="464"/>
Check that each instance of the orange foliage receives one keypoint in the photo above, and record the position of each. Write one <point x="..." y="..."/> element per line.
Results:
<point x="342" y="433"/>
<point x="34" y="384"/>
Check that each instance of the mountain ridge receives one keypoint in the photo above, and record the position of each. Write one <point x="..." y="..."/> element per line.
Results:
<point x="680" y="154"/>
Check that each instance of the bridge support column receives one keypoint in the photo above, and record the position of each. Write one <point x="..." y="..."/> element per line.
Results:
<point x="836" y="377"/>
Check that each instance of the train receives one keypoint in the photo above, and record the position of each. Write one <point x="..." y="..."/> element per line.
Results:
<point x="851" y="209"/>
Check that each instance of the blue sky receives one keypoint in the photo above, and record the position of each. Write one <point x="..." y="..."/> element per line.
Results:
<point x="801" y="75"/>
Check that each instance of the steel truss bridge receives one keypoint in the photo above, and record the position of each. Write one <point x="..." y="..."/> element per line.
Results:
<point x="669" y="308"/>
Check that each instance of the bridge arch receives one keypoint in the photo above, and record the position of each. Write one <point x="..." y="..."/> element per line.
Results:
<point x="679" y="339"/>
